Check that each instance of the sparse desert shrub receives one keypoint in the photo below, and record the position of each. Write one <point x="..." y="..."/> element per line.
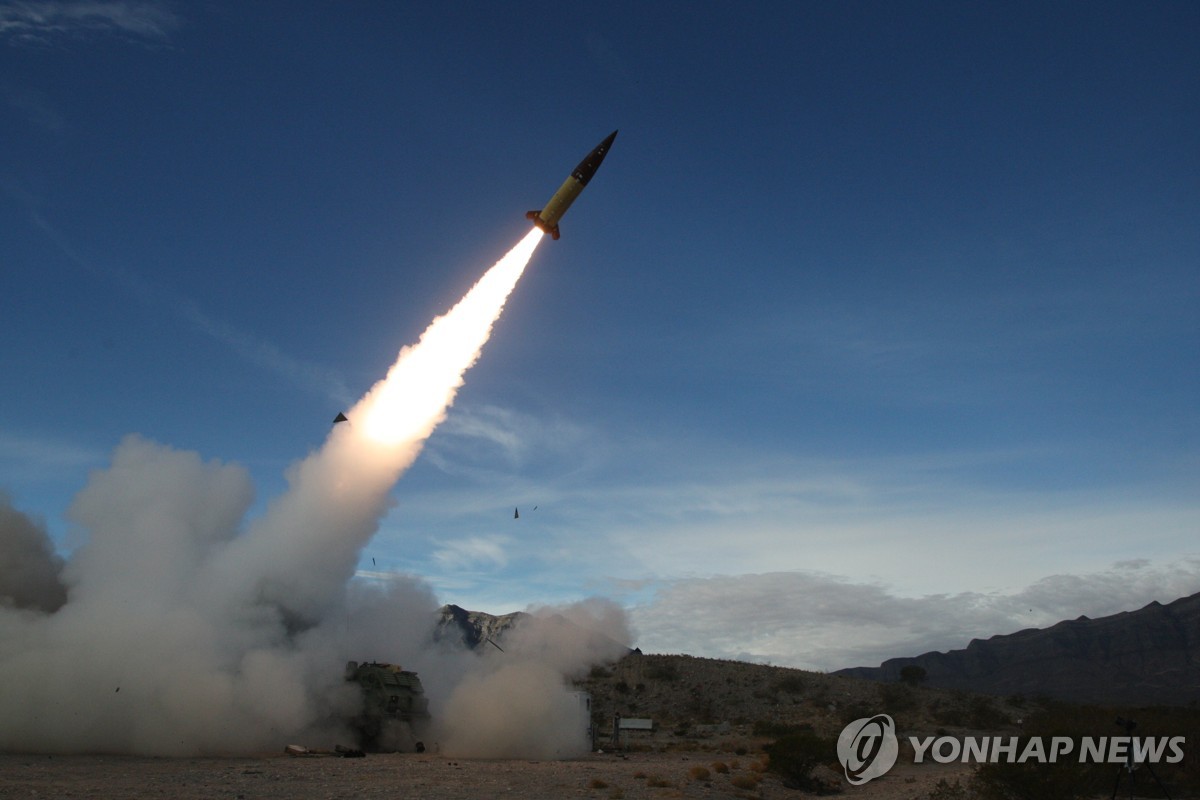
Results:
<point x="1063" y="780"/>
<point x="765" y="727"/>
<point x="948" y="791"/>
<point x="701" y="706"/>
<point x="745" y="781"/>
<point x="731" y="745"/>
<point x="616" y="794"/>
<point x="897" y="698"/>
<point x="656" y="782"/>
<point x="793" y="758"/>
<point x="953" y="711"/>
<point x="1181" y="779"/>
<point x="662" y="671"/>
<point x="792" y="684"/>
<point x="856" y="709"/>
<point x="699" y="773"/>
<point x="639" y="775"/>
<point x="596" y="783"/>
<point x="913" y="675"/>
<point x="985" y="716"/>
<point x="720" y="767"/>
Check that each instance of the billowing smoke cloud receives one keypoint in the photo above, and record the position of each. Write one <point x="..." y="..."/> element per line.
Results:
<point x="178" y="629"/>
<point x="517" y="703"/>
<point x="29" y="568"/>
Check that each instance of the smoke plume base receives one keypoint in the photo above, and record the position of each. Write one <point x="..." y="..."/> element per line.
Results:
<point x="175" y="629"/>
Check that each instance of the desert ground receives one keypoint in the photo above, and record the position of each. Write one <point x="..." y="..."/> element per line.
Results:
<point x="704" y="746"/>
<point x="634" y="776"/>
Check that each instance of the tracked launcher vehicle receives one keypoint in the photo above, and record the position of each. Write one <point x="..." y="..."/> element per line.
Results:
<point x="394" y="714"/>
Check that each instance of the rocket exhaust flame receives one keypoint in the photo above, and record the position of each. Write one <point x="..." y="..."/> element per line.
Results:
<point x="413" y="398"/>
<point x="299" y="557"/>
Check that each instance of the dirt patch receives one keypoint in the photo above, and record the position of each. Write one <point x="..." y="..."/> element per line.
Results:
<point x="429" y="776"/>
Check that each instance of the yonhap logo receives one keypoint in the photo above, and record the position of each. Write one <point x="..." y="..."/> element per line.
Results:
<point x="868" y="748"/>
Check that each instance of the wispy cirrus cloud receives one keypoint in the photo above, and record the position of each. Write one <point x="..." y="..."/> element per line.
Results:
<point x="315" y="378"/>
<point x="473" y="552"/>
<point x="475" y="438"/>
<point x="43" y="21"/>
<point x="34" y="457"/>
<point x="307" y="375"/>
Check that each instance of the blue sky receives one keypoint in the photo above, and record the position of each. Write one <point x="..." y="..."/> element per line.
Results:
<point x="878" y="329"/>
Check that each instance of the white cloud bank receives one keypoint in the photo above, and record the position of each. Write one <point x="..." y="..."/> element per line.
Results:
<point x="824" y="622"/>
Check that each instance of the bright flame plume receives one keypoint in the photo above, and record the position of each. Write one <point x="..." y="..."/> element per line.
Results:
<point x="306" y="546"/>
<point x="410" y="402"/>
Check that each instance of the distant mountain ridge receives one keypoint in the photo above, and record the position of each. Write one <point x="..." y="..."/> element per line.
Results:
<point x="1146" y="657"/>
<point x="541" y="630"/>
<point x="474" y="628"/>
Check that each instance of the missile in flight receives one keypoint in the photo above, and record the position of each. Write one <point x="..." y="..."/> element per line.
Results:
<point x="547" y="217"/>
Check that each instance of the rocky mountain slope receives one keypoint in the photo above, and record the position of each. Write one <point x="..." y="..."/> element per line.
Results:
<point x="1146" y="657"/>
<point x="474" y="628"/>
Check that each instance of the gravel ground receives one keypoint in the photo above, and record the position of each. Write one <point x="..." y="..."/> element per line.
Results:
<point x="603" y="776"/>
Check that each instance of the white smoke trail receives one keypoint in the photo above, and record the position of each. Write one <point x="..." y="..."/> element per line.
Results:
<point x="180" y="636"/>
<point x="304" y="550"/>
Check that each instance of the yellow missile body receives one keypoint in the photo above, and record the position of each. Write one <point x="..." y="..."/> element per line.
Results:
<point x="548" y="216"/>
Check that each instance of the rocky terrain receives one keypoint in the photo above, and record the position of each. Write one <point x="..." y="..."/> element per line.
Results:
<point x="1146" y="657"/>
<point x="705" y="726"/>
<point x="711" y="722"/>
<point x="474" y="628"/>
<point x="702" y="703"/>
